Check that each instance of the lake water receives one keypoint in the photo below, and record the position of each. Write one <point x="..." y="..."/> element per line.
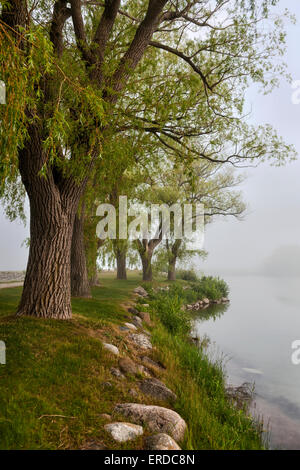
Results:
<point x="256" y="332"/>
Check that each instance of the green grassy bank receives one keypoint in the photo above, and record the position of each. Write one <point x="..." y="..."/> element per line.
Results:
<point x="53" y="388"/>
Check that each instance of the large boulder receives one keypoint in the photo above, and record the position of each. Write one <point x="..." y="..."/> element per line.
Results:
<point x="161" y="441"/>
<point x="122" y="432"/>
<point x="157" y="389"/>
<point x="140" y="340"/>
<point x="157" y="418"/>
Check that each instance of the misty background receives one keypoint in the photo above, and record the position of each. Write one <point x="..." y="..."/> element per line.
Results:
<point x="267" y="241"/>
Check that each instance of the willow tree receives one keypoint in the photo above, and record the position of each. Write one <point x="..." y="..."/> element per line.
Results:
<point x="205" y="183"/>
<point x="68" y="65"/>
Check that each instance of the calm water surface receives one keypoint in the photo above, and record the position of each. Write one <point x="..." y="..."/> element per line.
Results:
<point x="256" y="332"/>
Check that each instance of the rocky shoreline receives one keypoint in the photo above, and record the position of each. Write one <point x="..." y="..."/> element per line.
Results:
<point x="12" y="276"/>
<point x="205" y="303"/>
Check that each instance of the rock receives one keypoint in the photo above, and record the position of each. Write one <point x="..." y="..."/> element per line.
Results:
<point x="141" y="291"/>
<point x="205" y="301"/>
<point x="157" y="389"/>
<point x="138" y="321"/>
<point x="157" y="418"/>
<point x="144" y="371"/>
<point x="106" y="385"/>
<point x="145" y="305"/>
<point x="141" y="340"/>
<point x="116" y="372"/>
<point x="122" y="432"/>
<point x="161" y="441"/>
<point x="152" y="364"/>
<point x="145" y="316"/>
<point x="93" y="445"/>
<point x="123" y="328"/>
<point x="133" y="310"/>
<point x="105" y="416"/>
<point x="131" y="326"/>
<point x="110" y="347"/>
<point x="224" y="299"/>
<point x="128" y="366"/>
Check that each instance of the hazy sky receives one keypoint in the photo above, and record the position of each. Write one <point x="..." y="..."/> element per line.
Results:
<point x="272" y="194"/>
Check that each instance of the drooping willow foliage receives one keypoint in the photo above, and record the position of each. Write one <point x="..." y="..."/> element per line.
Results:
<point x="41" y="90"/>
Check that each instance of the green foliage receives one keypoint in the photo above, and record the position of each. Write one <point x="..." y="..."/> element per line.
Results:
<point x="186" y="275"/>
<point x="168" y="308"/>
<point x="211" y="287"/>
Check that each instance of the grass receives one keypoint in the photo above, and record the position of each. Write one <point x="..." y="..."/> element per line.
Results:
<point x="60" y="368"/>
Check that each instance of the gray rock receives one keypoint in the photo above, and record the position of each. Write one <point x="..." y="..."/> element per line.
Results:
<point x="133" y="310"/>
<point x="158" y="419"/>
<point x="161" y="441"/>
<point x="141" y="340"/>
<point x="140" y="291"/>
<point x="106" y="385"/>
<point x="137" y="321"/>
<point x="130" y="326"/>
<point x="116" y="372"/>
<point x="205" y="301"/>
<point x="122" y="432"/>
<point x="157" y="389"/>
<point x="123" y="328"/>
<point x="110" y="347"/>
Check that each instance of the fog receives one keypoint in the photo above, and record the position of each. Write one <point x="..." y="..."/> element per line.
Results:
<point x="272" y="221"/>
<point x="272" y="224"/>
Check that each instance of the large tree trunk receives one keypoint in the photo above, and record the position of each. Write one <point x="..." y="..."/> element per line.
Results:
<point x="53" y="205"/>
<point x="46" y="291"/>
<point x="80" y="286"/>
<point x="121" y="265"/>
<point x="147" y="266"/>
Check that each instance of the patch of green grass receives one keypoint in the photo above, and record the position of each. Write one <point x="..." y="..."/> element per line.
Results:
<point x="58" y="368"/>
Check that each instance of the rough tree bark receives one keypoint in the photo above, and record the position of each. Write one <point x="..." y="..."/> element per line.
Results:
<point x="46" y="291"/>
<point x="147" y="266"/>
<point x="121" y="265"/>
<point x="80" y="286"/>
<point x="173" y="254"/>
<point x="146" y="249"/>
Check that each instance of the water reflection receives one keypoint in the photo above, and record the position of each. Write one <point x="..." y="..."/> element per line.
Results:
<point x="254" y="334"/>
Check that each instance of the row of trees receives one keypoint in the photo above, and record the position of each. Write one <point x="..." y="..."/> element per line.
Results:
<point x="144" y="98"/>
